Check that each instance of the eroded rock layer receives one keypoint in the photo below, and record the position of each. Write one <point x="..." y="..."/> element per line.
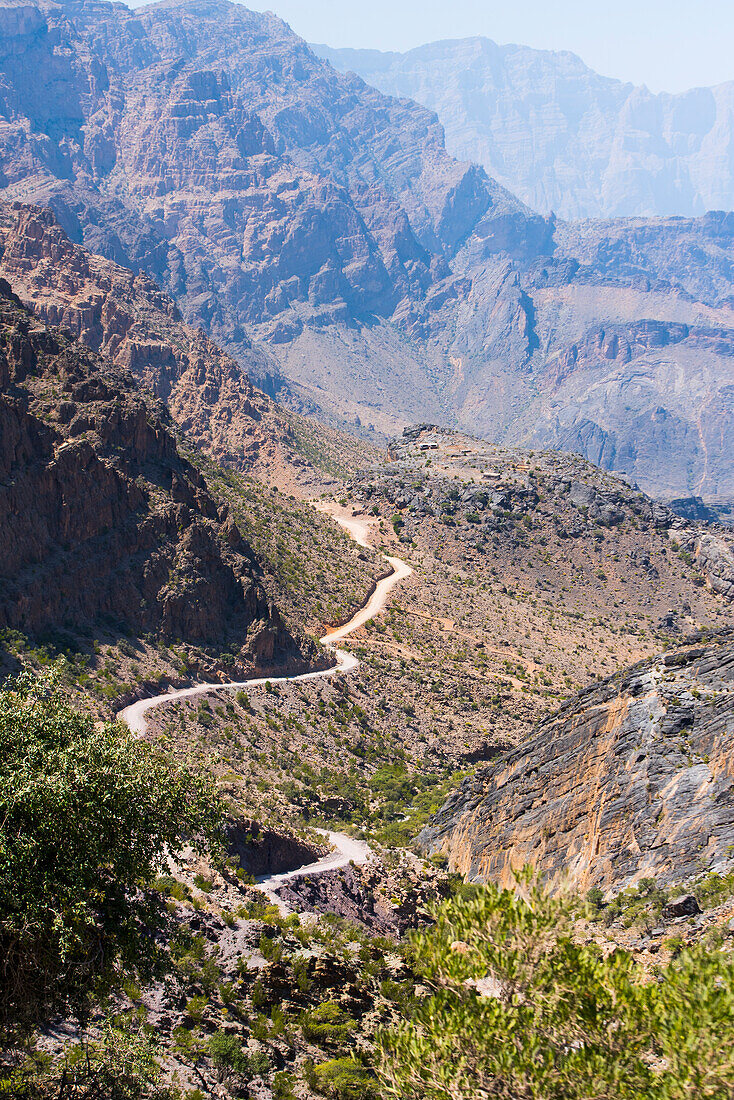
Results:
<point x="102" y="522"/>
<point x="631" y="779"/>
<point x="208" y="147"/>
<point x="562" y="136"/>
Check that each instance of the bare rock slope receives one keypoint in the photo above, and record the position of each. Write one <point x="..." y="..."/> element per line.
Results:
<point x="103" y="524"/>
<point x="128" y="319"/>
<point x="631" y="779"/>
<point x="561" y="136"/>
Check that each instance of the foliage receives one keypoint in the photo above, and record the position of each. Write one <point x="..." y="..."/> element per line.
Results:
<point x="518" y="1010"/>
<point x="327" y="1025"/>
<point x="118" y="1065"/>
<point x="341" y="1079"/>
<point x="283" y="1083"/>
<point x="230" y="1059"/>
<point x="87" y="813"/>
<point x="713" y="889"/>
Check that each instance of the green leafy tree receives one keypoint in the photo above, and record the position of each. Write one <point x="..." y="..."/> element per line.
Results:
<point x="518" y="1010"/>
<point x="87" y="816"/>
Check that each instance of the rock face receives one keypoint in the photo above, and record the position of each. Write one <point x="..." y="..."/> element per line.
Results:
<point x="208" y="148"/>
<point x="128" y="319"/>
<point x="102" y="523"/>
<point x="631" y="779"/>
<point x="387" y="903"/>
<point x="263" y="851"/>
<point x="561" y="136"/>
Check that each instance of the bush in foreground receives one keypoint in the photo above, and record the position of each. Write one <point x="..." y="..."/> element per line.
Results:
<point x="517" y="1010"/>
<point x="87" y="814"/>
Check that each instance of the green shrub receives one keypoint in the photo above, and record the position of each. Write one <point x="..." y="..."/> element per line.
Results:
<point x="195" y="1007"/>
<point x="119" y="1064"/>
<point x="228" y="1056"/>
<point x="521" y="1010"/>
<point x="283" y="1085"/>
<point x="341" y="1079"/>
<point x="714" y="889"/>
<point x="595" y="898"/>
<point x="327" y="1025"/>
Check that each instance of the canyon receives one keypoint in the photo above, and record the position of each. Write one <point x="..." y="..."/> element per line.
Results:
<point x="105" y="525"/>
<point x="321" y="234"/>
<point x="280" y="375"/>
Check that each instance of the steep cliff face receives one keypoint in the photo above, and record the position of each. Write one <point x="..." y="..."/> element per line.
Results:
<point x="102" y="522"/>
<point x="128" y="319"/>
<point x="561" y="136"/>
<point x="631" y="779"/>
<point x="619" y="348"/>
<point x="219" y="153"/>
<point x="208" y="147"/>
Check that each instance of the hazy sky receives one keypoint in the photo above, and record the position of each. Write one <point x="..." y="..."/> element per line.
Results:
<point x="670" y="45"/>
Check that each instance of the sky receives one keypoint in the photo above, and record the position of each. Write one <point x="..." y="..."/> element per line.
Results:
<point x="669" y="45"/>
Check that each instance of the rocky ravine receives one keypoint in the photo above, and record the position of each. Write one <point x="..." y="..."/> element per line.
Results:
<point x="103" y="525"/>
<point x="208" y="147"/>
<point x="631" y="779"/>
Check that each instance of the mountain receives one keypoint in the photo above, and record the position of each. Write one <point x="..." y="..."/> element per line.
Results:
<point x="104" y="525"/>
<point x="630" y="780"/>
<point x="561" y="136"/>
<point x="321" y="234"/>
<point x="128" y="319"/>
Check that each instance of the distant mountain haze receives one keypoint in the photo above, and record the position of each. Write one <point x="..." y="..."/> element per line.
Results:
<point x="559" y="135"/>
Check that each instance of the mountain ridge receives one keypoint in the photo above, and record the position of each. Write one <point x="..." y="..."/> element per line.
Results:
<point x="321" y="235"/>
<point x="560" y="135"/>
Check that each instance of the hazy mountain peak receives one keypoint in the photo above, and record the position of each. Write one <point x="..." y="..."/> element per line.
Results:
<point x="562" y="136"/>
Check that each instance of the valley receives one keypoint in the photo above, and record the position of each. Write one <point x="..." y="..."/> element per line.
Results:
<point x="322" y="235"/>
<point x="366" y="585"/>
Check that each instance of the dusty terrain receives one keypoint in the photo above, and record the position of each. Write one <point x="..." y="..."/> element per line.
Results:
<point x="510" y="609"/>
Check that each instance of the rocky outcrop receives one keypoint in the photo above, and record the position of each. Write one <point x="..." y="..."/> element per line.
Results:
<point x="716" y="558"/>
<point x="128" y="319"/>
<point x="263" y="851"/>
<point x="386" y="902"/>
<point x="485" y="491"/>
<point x="561" y="136"/>
<point x="103" y="525"/>
<point x="631" y="779"/>
<point x="209" y="148"/>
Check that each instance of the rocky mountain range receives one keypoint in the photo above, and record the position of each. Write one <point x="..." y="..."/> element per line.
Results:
<point x="207" y="233"/>
<point x="125" y="317"/>
<point x="561" y="136"/>
<point x="319" y="231"/>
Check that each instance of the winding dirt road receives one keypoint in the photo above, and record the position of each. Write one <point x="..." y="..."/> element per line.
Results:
<point x="346" y="848"/>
